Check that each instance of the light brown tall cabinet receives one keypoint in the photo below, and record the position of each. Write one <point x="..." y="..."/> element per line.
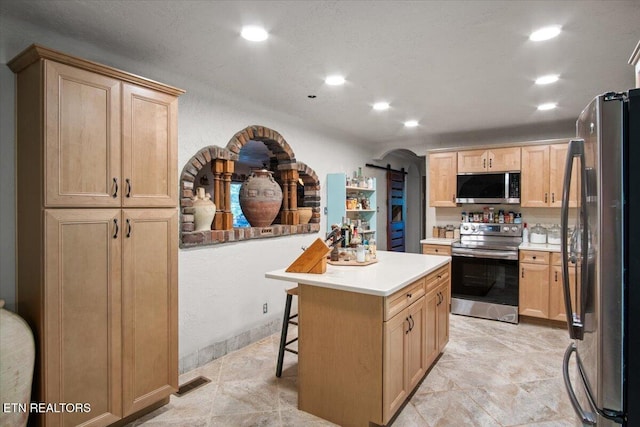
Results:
<point x="97" y="235"/>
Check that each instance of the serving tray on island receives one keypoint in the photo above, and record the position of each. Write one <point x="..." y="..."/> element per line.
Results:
<point x="352" y="262"/>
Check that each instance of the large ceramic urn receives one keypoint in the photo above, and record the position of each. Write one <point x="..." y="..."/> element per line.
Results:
<point x="260" y="198"/>
<point x="17" y="356"/>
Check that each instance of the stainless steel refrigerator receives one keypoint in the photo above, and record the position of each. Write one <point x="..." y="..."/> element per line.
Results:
<point x="601" y="257"/>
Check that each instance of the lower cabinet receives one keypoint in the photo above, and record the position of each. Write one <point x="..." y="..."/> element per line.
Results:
<point x="360" y="356"/>
<point x="110" y="315"/>
<point x="434" y="249"/>
<point x="413" y="339"/>
<point x="541" y="286"/>
<point x="405" y="355"/>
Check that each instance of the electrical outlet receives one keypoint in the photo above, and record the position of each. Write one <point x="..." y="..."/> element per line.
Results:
<point x="264" y="308"/>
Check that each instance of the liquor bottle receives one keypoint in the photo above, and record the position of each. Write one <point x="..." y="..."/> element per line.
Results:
<point x="345" y="232"/>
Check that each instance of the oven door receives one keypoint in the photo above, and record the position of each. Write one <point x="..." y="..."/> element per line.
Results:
<point x="485" y="285"/>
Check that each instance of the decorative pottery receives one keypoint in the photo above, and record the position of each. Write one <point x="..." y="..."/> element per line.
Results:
<point x="204" y="210"/>
<point x="304" y="215"/>
<point x="17" y="356"/>
<point x="260" y="198"/>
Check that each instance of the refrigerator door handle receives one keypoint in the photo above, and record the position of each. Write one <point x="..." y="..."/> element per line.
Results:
<point x="587" y="418"/>
<point x="574" y="322"/>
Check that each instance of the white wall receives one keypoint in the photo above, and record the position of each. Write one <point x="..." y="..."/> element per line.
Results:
<point x="221" y="288"/>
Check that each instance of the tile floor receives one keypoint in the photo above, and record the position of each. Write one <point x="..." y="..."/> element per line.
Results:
<point x="490" y="374"/>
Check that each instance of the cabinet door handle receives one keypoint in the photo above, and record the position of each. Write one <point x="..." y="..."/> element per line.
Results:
<point x="128" y="228"/>
<point x="115" y="223"/>
<point x="490" y="163"/>
<point x="407" y="331"/>
<point x="408" y="295"/>
<point x="522" y="273"/>
<point x="115" y="190"/>
<point x="439" y="275"/>
<point x="553" y="197"/>
<point x="128" y="187"/>
<point x="484" y="163"/>
<point x="556" y="276"/>
<point x="546" y="197"/>
<point x="534" y="257"/>
<point x="453" y="198"/>
<point x="411" y="323"/>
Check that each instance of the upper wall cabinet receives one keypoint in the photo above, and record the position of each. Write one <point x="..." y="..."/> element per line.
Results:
<point x="542" y="175"/>
<point x="442" y="179"/>
<point x="108" y="143"/>
<point x="493" y="160"/>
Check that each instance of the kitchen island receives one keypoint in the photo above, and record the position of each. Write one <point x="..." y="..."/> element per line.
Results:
<point x="368" y="334"/>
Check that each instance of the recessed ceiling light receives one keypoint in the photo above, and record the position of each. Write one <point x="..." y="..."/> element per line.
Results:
<point x="411" y="123"/>
<point x="547" y="106"/>
<point x="545" y="33"/>
<point x="254" y="33"/>
<point x="381" y="106"/>
<point x="545" y="80"/>
<point x="334" y="80"/>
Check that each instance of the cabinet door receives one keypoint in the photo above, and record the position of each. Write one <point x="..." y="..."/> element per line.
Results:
<point x="149" y="306"/>
<point x="442" y="179"/>
<point x="557" y="163"/>
<point x="431" y="326"/>
<point x="443" y="316"/>
<point x="504" y="159"/>
<point x="473" y="161"/>
<point x="557" y="309"/>
<point x="534" y="181"/>
<point x="149" y="144"/>
<point x="82" y="138"/>
<point x="82" y="329"/>
<point x="396" y="387"/>
<point x="416" y="345"/>
<point x="534" y="290"/>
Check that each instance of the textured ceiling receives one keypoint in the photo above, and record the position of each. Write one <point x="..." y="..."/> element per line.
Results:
<point x="456" y="66"/>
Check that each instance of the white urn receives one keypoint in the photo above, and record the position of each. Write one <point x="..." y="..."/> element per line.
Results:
<point x="204" y="210"/>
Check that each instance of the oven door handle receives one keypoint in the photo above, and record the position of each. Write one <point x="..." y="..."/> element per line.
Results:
<point x="479" y="253"/>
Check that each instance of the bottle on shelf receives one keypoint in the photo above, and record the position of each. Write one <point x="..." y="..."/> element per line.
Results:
<point x="372" y="247"/>
<point x="525" y="234"/>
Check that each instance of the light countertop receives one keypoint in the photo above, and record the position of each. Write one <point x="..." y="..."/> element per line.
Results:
<point x="437" y="241"/>
<point x="393" y="271"/>
<point x="539" y="247"/>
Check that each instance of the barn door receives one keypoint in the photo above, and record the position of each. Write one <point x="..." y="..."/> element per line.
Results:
<point x="396" y="211"/>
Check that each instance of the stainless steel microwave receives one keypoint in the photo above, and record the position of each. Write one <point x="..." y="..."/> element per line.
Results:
<point x="479" y="188"/>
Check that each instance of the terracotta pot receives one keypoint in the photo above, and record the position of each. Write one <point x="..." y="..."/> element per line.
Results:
<point x="204" y="210"/>
<point x="260" y="198"/>
<point x="16" y="365"/>
<point x="304" y="215"/>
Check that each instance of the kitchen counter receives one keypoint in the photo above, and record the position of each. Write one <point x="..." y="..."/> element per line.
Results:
<point x="539" y="247"/>
<point x="438" y="241"/>
<point x="392" y="272"/>
<point x="367" y="335"/>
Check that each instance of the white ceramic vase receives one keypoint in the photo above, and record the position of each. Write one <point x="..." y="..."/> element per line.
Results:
<point x="17" y="355"/>
<point x="204" y="210"/>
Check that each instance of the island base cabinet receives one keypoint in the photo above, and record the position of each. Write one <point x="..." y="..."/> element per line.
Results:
<point x="360" y="356"/>
<point x="340" y="352"/>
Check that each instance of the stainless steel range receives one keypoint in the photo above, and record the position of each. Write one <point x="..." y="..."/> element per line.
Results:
<point x="484" y="271"/>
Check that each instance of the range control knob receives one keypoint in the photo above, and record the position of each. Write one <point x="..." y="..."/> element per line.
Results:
<point x="465" y="227"/>
<point x="473" y="227"/>
<point x="505" y="228"/>
<point x="514" y="228"/>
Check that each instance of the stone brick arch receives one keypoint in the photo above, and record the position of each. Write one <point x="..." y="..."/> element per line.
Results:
<point x="271" y="138"/>
<point x="219" y="163"/>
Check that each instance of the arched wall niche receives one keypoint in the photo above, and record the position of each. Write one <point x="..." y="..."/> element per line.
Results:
<point x="214" y="168"/>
